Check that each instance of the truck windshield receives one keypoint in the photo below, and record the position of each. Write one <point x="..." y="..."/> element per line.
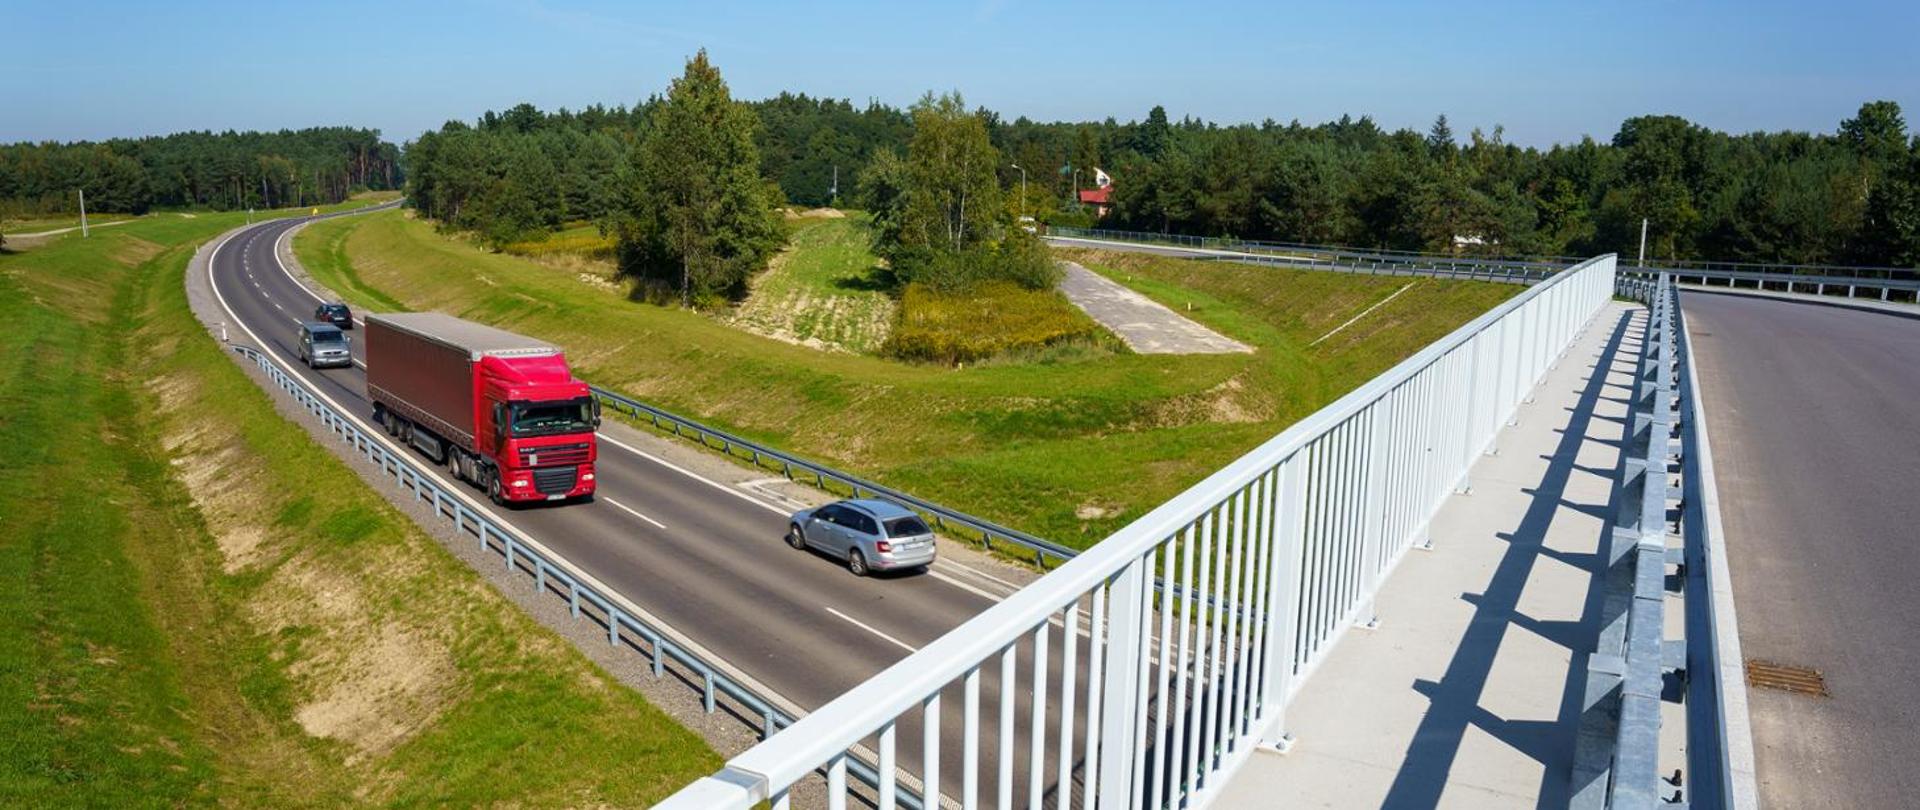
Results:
<point x="548" y="418"/>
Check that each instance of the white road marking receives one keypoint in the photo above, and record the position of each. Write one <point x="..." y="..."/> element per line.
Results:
<point x="871" y="629"/>
<point x="783" y="512"/>
<point x="1363" y="314"/>
<point x="634" y="512"/>
<point x="694" y="475"/>
<point x="457" y="490"/>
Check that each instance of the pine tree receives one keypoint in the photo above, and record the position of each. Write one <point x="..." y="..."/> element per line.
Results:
<point x="697" y="214"/>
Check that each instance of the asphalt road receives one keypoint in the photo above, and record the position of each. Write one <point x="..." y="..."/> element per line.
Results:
<point x="705" y="557"/>
<point x="1815" y="416"/>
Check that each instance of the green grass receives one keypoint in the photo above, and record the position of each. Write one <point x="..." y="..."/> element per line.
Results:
<point x="996" y="320"/>
<point x="184" y="620"/>
<point x="1069" y="449"/>
<point x="825" y="290"/>
<point x="39" y="224"/>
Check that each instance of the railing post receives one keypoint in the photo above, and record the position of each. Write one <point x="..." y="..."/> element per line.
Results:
<point x="1127" y="604"/>
<point x="1282" y="600"/>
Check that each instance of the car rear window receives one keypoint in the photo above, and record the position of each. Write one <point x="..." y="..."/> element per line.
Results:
<point x="905" y="527"/>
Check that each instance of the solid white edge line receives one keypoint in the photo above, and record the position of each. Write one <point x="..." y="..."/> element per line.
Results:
<point x="456" y="490"/>
<point x="874" y="630"/>
<point x="1735" y="712"/>
<point x="949" y="579"/>
<point x="609" y="439"/>
<point x="632" y="511"/>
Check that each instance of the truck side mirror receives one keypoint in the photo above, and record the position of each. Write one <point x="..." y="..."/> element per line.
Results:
<point x="499" y="417"/>
<point x="596" y="413"/>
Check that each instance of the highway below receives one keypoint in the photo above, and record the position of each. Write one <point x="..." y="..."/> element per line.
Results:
<point x="1815" y="417"/>
<point x="705" y="557"/>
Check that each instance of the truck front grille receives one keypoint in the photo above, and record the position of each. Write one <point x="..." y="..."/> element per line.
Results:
<point x="555" y="480"/>
<point x="557" y="454"/>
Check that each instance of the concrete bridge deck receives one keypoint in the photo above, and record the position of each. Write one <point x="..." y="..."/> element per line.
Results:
<point x="1469" y="692"/>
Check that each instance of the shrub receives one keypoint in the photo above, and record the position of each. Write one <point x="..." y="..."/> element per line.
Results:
<point x="986" y="320"/>
<point x="1021" y="258"/>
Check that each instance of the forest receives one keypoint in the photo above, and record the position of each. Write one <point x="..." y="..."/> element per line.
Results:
<point x="221" y="171"/>
<point x="1848" y="196"/>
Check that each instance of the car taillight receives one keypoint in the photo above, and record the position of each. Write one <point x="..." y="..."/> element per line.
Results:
<point x="884" y="547"/>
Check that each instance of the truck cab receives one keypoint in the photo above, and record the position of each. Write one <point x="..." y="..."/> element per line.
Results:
<point x="500" y="410"/>
<point x="540" y="428"/>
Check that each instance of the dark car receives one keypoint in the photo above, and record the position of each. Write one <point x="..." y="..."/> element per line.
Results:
<point x="336" y="314"/>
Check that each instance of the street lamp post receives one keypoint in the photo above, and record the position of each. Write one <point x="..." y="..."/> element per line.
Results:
<point x="1023" y="188"/>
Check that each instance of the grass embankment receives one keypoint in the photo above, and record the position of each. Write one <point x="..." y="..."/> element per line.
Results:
<point x="995" y="320"/>
<point x="199" y="605"/>
<point x="41" y="224"/>
<point x="1069" y="449"/>
<point x="825" y="290"/>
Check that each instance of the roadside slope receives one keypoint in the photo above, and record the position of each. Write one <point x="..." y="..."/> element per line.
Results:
<point x="202" y="606"/>
<point x="1069" y="449"/>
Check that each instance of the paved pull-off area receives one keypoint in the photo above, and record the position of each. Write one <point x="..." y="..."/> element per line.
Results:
<point x="1815" y="416"/>
<point x="1469" y="692"/>
<point x="1145" y="325"/>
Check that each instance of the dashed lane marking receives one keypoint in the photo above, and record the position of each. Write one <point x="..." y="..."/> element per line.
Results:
<point x="632" y="511"/>
<point x="874" y="630"/>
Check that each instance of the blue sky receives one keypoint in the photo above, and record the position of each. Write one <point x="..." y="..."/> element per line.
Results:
<point x="1550" y="72"/>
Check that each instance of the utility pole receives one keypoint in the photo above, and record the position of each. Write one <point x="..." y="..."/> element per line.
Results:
<point x="833" y="194"/>
<point x="1643" y="242"/>
<point x="83" y="213"/>
<point x="1023" y="188"/>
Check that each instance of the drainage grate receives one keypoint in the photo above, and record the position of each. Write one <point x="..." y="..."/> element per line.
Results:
<point x="1800" y="680"/>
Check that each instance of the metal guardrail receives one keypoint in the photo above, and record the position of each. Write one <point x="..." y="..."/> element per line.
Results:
<point x="790" y="465"/>
<point x="1617" y="761"/>
<point x="1290" y="541"/>
<point x="552" y="573"/>
<point x="1336" y="259"/>
<point x="1892" y="283"/>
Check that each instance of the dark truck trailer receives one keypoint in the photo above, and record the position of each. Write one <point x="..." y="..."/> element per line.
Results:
<point x="502" y="411"/>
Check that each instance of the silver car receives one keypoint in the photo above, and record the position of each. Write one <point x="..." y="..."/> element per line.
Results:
<point x="323" y="344"/>
<point x="870" y="535"/>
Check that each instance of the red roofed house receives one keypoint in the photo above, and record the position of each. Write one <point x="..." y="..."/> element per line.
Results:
<point x="1099" y="198"/>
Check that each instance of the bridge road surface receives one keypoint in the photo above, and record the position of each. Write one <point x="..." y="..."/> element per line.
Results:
<point x="1815" y="416"/>
<point x="710" y="563"/>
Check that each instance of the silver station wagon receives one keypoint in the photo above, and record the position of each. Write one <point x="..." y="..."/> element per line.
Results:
<point x="869" y="535"/>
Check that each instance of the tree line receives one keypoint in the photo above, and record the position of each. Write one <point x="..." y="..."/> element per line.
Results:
<point x="223" y="171"/>
<point x="1850" y="196"/>
<point x="1847" y="196"/>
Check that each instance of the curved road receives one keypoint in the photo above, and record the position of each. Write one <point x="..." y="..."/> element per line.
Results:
<point x="1815" y="415"/>
<point x="705" y="557"/>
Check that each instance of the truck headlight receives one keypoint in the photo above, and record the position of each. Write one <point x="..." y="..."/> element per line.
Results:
<point x="517" y="483"/>
<point x="586" y="477"/>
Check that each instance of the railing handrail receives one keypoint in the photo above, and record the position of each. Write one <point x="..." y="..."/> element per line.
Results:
<point x="844" y="722"/>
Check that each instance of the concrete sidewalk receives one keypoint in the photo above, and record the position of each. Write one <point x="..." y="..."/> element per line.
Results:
<point x="1145" y="325"/>
<point x="1469" y="693"/>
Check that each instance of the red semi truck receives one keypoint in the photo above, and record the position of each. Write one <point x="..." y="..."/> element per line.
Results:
<point x="502" y="411"/>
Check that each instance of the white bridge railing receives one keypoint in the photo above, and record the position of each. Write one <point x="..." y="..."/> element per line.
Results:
<point x="1092" y="687"/>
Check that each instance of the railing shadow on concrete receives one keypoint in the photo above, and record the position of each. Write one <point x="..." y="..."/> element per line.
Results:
<point x="1285" y="549"/>
<point x="1456" y="699"/>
